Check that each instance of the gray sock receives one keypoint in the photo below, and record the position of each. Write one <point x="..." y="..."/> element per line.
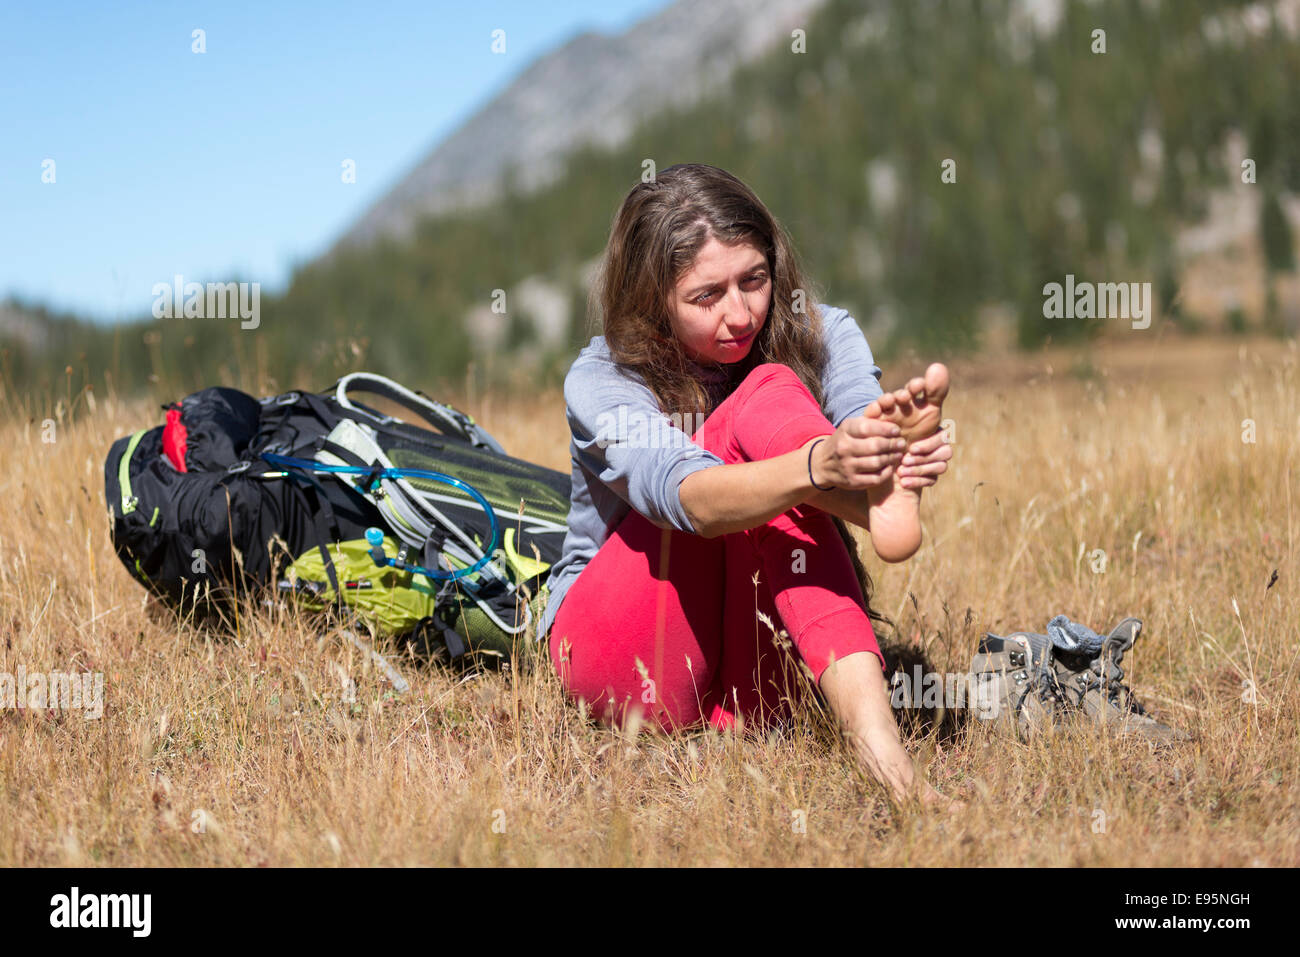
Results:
<point x="1074" y="638"/>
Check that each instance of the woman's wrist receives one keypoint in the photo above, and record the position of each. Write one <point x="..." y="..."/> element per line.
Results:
<point x="816" y="469"/>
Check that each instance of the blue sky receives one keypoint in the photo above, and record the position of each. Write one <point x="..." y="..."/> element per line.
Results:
<point x="227" y="163"/>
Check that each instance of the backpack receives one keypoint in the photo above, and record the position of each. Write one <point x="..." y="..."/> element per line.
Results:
<point x="420" y="528"/>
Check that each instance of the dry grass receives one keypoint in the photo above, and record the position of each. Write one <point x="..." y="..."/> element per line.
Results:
<point x="1137" y="451"/>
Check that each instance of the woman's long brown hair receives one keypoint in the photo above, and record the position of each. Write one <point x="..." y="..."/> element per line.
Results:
<point x="657" y="234"/>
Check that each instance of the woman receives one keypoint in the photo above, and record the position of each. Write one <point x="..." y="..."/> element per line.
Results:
<point x="676" y="544"/>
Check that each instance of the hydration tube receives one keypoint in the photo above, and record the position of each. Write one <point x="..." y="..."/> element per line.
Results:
<point x="375" y="536"/>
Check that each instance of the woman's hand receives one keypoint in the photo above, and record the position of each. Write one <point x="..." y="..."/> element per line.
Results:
<point x="861" y="454"/>
<point x="924" y="461"/>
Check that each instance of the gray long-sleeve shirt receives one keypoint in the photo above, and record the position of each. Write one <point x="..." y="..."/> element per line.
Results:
<point x="627" y="454"/>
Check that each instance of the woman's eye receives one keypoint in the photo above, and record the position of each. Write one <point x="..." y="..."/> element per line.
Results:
<point x="750" y="282"/>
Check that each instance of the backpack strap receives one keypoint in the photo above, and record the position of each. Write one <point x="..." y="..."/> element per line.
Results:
<point x="327" y="530"/>
<point x="442" y="417"/>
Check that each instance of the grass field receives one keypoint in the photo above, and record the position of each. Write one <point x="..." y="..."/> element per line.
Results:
<point x="1115" y="483"/>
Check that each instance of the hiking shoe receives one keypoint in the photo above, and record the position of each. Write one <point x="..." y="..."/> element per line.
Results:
<point x="1095" y="689"/>
<point x="1014" y="682"/>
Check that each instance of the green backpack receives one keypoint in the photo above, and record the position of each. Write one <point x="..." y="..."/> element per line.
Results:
<point x="468" y="534"/>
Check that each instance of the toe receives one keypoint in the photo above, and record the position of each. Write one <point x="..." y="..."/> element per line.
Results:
<point x="916" y="391"/>
<point x="936" y="381"/>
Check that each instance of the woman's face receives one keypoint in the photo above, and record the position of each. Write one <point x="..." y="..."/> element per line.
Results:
<point x="720" y="303"/>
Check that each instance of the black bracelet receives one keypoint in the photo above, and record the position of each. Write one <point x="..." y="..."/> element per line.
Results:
<point x="810" y="478"/>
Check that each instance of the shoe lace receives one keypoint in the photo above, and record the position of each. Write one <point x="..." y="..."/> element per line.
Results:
<point x="1106" y="674"/>
<point x="1048" y="689"/>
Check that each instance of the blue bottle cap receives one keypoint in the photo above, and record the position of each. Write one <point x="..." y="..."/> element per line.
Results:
<point x="374" y="536"/>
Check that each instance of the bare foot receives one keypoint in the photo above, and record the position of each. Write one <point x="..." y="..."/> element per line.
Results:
<point x="917" y="408"/>
<point x="930" y="798"/>
<point x="894" y="514"/>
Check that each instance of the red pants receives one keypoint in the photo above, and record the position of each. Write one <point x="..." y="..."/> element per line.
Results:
<point x="665" y="622"/>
